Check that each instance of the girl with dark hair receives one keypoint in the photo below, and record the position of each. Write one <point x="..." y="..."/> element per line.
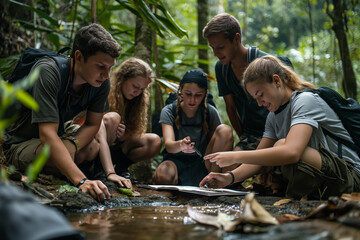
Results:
<point x="191" y="128"/>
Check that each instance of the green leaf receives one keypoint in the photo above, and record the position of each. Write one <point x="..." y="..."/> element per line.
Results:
<point x="53" y="6"/>
<point x="54" y="38"/>
<point x="3" y="174"/>
<point x="27" y="100"/>
<point x="4" y="123"/>
<point x="34" y="168"/>
<point x="67" y="189"/>
<point x="31" y="26"/>
<point x="28" y="81"/>
<point x="126" y="191"/>
<point x="39" y="12"/>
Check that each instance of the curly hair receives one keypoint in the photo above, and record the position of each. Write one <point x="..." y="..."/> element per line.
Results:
<point x="133" y="112"/>
<point x="262" y="70"/>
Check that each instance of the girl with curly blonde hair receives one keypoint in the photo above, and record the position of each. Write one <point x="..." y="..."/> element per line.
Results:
<point x="124" y="127"/>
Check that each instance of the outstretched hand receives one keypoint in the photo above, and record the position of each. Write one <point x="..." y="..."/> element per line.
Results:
<point x="123" y="182"/>
<point x="223" y="179"/>
<point x="222" y="159"/>
<point x="96" y="189"/>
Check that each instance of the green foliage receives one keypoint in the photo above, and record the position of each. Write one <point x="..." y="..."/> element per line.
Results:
<point x="68" y="189"/>
<point x="9" y="93"/>
<point x="34" y="168"/>
<point x="277" y="26"/>
<point x="158" y="23"/>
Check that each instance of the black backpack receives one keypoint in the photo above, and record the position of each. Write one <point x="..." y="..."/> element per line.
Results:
<point x="27" y="60"/>
<point x="348" y="110"/>
<point x="31" y="55"/>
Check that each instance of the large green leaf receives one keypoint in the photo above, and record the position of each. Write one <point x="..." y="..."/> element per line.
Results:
<point x="53" y="21"/>
<point x="26" y="99"/>
<point x="158" y="23"/>
<point x="30" y="26"/>
<point x="4" y="123"/>
<point x="34" y="169"/>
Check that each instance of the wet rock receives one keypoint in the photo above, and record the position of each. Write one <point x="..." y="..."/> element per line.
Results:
<point x="77" y="201"/>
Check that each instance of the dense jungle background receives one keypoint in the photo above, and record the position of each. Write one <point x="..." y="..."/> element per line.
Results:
<point x="321" y="37"/>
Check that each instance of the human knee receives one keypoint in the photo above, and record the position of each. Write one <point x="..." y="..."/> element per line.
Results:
<point x="280" y="142"/>
<point x="89" y="152"/>
<point x="154" y="143"/>
<point x="165" y="174"/>
<point x="224" y="132"/>
<point x="111" y="119"/>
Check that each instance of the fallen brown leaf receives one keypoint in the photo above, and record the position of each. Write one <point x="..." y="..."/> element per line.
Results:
<point x="282" y="201"/>
<point x="351" y="197"/>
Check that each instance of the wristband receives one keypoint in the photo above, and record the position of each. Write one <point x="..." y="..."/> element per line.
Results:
<point x="107" y="175"/>
<point x="232" y="177"/>
<point x="81" y="182"/>
<point x="75" y="142"/>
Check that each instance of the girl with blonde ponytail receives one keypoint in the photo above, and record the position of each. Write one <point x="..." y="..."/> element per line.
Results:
<point x="293" y="138"/>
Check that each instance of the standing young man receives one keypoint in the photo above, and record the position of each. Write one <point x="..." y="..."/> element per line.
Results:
<point x="223" y="33"/>
<point x="93" y="55"/>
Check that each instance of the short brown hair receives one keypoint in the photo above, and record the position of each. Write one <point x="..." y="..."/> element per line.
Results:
<point x="223" y="23"/>
<point x="93" y="38"/>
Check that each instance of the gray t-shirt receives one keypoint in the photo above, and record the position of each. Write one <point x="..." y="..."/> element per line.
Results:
<point x="45" y="92"/>
<point x="309" y="108"/>
<point x="191" y="127"/>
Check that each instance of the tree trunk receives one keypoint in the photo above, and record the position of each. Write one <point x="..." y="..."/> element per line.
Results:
<point x="245" y="26"/>
<point x="339" y="26"/>
<point x="143" y="50"/>
<point x="202" y="20"/>
<point x="159" y="102"/>
<point x="143" y="41"/>
<point x="312" y="39"/>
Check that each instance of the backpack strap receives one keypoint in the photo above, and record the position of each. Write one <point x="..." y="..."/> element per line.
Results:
<point x="252" y="53"/>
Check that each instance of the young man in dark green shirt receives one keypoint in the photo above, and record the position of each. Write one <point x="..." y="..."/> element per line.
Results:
<point x="93" y="55"/>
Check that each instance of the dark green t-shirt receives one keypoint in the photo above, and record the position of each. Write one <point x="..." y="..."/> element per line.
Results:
<point x="45" y="92"/>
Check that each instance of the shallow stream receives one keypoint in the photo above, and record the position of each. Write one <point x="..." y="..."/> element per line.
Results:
<point x="173" y="222"/>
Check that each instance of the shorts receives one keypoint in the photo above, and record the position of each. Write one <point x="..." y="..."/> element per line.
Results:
<point x="191" y="169"/>
<point x="336" y="176"/>
<point x="248" y="142"/>
<point x="21" y="155"/>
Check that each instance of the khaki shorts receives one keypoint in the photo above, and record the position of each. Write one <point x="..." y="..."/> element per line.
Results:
<point x="21" y="155"/>
<point x="336" y="176"/>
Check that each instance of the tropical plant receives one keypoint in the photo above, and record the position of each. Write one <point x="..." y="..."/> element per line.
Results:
<point x="9" y="95"/>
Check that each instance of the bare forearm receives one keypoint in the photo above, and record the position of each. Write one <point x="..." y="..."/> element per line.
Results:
<point x="86" y="134"/>
<point x="235" y="122"/>
<point x="173" y="146"/>
<point x="64" y="162"/>
<point x="245" y="171"/>
<point x="105" y="158"/>
<point x="274" y="156"/>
